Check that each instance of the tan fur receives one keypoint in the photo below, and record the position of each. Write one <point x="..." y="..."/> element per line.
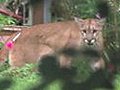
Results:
<point x="45" y="39"/>
<point x="3" y="54"/>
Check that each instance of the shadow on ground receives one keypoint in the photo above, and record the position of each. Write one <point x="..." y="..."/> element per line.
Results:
<point x="5" y="84"/>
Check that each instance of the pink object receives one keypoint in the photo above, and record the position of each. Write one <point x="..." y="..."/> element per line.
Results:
<point x="9" y="45"/>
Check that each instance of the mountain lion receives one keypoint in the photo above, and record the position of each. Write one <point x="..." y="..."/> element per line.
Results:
<point x="45" y="39"/>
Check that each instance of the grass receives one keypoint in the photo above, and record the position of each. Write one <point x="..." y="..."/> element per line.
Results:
<point x="21" y="78"/>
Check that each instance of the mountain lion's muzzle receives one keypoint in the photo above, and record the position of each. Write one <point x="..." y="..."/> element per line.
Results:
<point x="90" y="41"/>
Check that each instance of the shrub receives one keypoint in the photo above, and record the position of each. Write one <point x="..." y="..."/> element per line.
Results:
<point x="21" y="78"/>
<point x="117" y="82"/>
<point x="55" y="85"/>
<point x="5" y="20"/>
<point x="1" y="45"/>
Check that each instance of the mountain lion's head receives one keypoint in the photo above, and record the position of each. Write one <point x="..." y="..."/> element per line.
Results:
<point x="90" y="29"/>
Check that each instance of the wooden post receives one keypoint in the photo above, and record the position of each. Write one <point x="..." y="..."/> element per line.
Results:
<point x="37" y="7"/>
<point x="47" y="11"/>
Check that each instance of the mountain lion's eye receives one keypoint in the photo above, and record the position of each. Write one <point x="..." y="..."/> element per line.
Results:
<point x="84" y="31"/>
<point x="94" y="31"/>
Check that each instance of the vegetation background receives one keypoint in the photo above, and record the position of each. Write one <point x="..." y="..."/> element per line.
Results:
<point x="25" y="79"/>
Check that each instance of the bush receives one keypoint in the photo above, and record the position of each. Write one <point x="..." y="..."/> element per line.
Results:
<point x="21" y="78"/>
<point x="1" y="45"/>
<point x="83" y="69"/>
<point x="117" y="82"/>
<point x="67" y="9"/>
<point x="55" y="85"/>
<point x="5" y="20"/>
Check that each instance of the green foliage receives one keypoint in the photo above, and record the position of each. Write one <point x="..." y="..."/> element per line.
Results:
<point x="22" y="78"/>
<point x="83" y="69"/>
<point x="1" y="45"/>
<point x="2" y="1"/>
<point x="55" y="85"/>
<point x="18" y="72"/>
<point x="67" y="9"/>
<point x="3" y="67"/>
<point x="6" y="20"/>
<point x="117" y="82"/>
<point x="24" y="83"/>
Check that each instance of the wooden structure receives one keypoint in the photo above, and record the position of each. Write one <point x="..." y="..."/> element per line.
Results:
<point x="7" y="31"/>
<point x="36" y="12"/>
<point x="4" y="10"/>
<point x="30" y="12"/>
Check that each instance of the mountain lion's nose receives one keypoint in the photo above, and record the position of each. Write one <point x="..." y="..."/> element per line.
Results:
<point x="90" y="41"/>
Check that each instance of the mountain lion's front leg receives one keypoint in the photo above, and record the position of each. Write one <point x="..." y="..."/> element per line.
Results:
<point x="65" y="61"/>
<point x="98" y="64"/>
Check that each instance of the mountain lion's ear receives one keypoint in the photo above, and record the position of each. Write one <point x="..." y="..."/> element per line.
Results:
<point x="78" y="19"/>
<point x="102" y="21"/>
